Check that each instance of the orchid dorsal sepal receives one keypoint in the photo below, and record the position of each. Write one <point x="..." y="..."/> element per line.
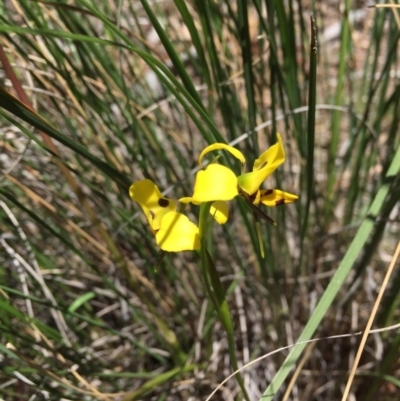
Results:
<point x="222" y="146"/>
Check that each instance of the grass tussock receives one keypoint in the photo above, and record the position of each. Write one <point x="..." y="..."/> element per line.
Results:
<point x="97" y="95"/>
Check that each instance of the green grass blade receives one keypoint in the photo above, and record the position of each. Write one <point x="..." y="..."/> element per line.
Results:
<point x="14" y="106"/>
<point x="345" y="51"/>
<point x="194" y="34"/>
<point x="177" y="62"/>
<point x="246" y="48"/>
<point x="81" y="301"/>
<point x="312" y="101"/>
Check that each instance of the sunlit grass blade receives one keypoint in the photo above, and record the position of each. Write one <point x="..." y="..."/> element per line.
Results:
<point x="176" y="60"/>
<point x="312" y="101"/>
<point x="13" y="105"/>
<point x="345" y="52"/>
<point x="246" y="49"/>
<point x="189" y="21"/>
<point x="152" y="384"/>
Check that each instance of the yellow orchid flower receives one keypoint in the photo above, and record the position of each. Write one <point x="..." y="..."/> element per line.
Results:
<point x="174" y="232"/>
<point x="219" y="183"/>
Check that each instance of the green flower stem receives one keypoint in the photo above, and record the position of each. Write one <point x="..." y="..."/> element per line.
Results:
<point x="215" y="289"/>
<point x="203" y="221"/>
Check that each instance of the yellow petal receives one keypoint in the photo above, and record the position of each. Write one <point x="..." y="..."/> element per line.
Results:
<point x="216" y="182"/>
<point x="263" y="167"/>
<point x="150" y="199"/>
<point x="220" y="211"/>
<point x="185" y="200"/>
<point x="257" y="198"/>
<point x="274" y="155"/>
<point x="275" y="197"/>
<point x="177" y="233"/>
<point x="216" y="146"/>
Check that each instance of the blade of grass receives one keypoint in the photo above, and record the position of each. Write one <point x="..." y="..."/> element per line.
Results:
<point x="81" y="301"/>
<point x="312" y="101"/>
<point x="194" y="34"/>
<point x="157" y="66"/>
<point x="176" y="61"/>
<point x="152" y="384"/>
<point x="345" y="43"/>
<point x="246" y="48"/>
<point x="226" y="98"/>
<point x="19" y="109"/>
<point x="288" y="39"/>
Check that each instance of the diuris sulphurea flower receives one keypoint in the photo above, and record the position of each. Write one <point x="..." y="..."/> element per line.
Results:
<point x="219" y="183"/>
<point x="174" y="232"/>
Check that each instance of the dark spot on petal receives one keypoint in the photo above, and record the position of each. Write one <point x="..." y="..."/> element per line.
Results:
<point x="253" y="197"/>
<point x="280" y="202"/>
<point x="263" y="165"/>
<point x="152" y="214"/>
<point x="269" y="192"/>
<point x="163" y="202"/>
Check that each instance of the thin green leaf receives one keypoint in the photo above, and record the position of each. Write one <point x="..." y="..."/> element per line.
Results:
<point x="81" y="301"/>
